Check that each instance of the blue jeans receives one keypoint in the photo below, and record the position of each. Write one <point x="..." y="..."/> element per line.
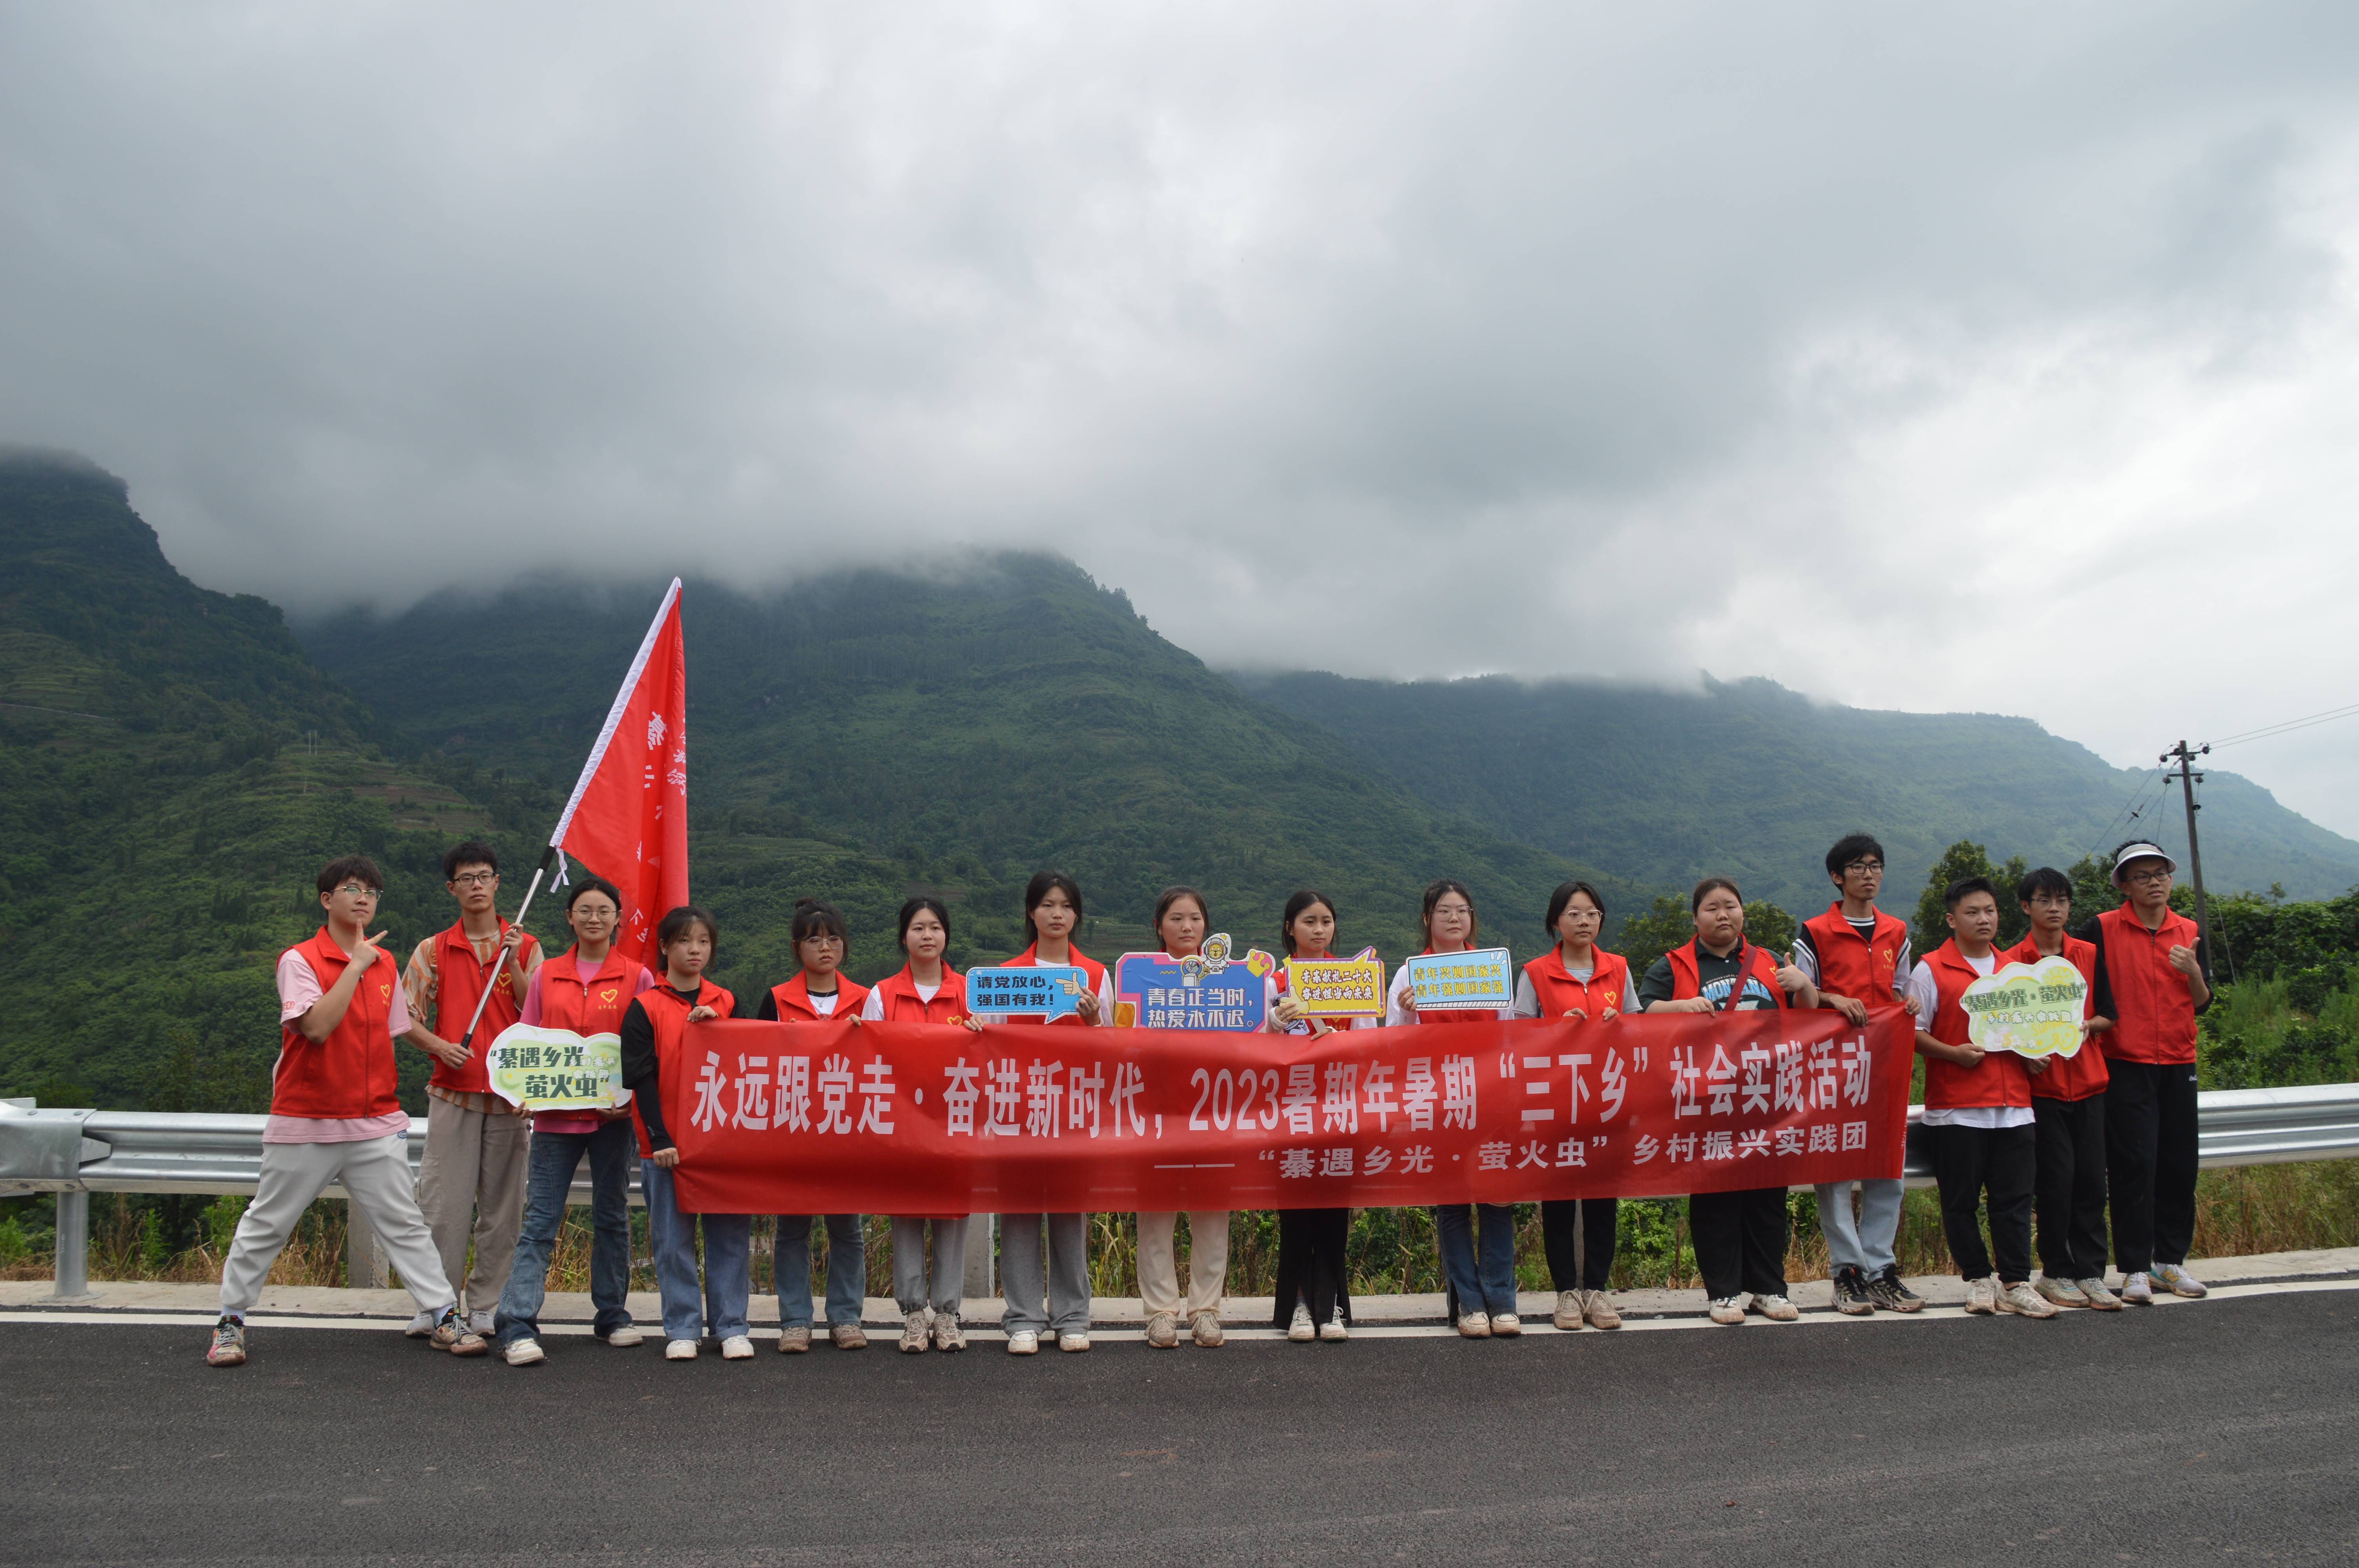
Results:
<point x="728" y="1262"/>
<point x="847" y="1270"/>
<point x="550" y="1176"/>
<point x="1491" y="1287"/>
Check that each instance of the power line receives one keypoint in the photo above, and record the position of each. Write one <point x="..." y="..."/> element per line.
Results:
<point x="2132" y="808"/>
<point x="2288" y="726"/>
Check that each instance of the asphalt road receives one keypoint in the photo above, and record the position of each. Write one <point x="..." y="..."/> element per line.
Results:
<point x="2228" y="1428"/>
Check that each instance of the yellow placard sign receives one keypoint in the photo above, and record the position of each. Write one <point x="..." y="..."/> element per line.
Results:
<point x="1337" y="987"/>
<point x="2032" y="1010"/>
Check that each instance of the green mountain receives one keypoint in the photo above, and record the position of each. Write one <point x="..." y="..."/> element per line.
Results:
<point x="1751" y="779"/>
<point x="868" y="734"/>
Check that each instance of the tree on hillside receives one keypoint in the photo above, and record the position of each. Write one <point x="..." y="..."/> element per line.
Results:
<point x="1962" y="859"/>
<point x="1646" y="937"/>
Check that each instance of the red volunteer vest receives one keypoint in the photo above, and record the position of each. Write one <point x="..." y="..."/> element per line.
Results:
<point x="1092" y="972"/>
<point x="1753" y="963"/>
<point x="458" y="978"/>
<point x="1849" y="965"/>
<point x="668" y="1014"/>
<point x="793" y="1004"/>
<point x="2154" y="1016"/>
<point x="2084" y="1072"/>
<point x="350" y="1073"/>
<point x="1999" y="1078"/>
<point x="899" y="1001"/>
<point x="1560" y="994"/>
<point x="596" y="1008"/>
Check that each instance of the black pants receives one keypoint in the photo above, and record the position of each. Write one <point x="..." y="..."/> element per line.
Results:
<point x="2150" y="1163"/>
<point x="2071" y="1186"/>
<point x="1740" y="1241"/>
<point x="1310" y="1263"/>
<point x="1969" y="1161"/>
<point x="1595" y="1222"/>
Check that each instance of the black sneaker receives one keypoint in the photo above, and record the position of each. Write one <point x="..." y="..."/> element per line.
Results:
<point x="1852" y="1295"/>
<point x="1892" y="1293"/>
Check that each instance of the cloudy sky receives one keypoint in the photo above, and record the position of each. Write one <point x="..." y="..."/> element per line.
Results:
<point x="2001" y="357"/>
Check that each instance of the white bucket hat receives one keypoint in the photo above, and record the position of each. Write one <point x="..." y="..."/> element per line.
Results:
<point x="2140" y="851"/>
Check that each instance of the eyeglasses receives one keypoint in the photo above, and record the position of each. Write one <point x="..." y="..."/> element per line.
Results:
<point x="354" y="890"/>
<point x="1863" y="865"/>
<point x="2149" y="874"/>
<point x="475" y="879"/>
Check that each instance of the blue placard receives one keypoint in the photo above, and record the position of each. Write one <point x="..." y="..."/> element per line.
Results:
<point x="1483" y="980"/>
<point x="1155" y="991"/>
<point x="1042" y="991"/>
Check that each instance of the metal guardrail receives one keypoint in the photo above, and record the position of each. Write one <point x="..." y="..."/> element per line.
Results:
<point x="76" y="1153"/>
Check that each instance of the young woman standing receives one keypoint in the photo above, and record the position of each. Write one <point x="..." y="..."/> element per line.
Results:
<point x="586" y="990"/>
<point x="1482" y="1294"/>
<point x="1181" y="921"/>
<point x="1740" y="1237"/>
<point x="686" y="939"/>
<point x="927" y="990"/>
<point x="818" y="991"/>
<point x="1052" y="908"/>
<point x="1580" y="981"/>
<point x="1314" y="1297"/>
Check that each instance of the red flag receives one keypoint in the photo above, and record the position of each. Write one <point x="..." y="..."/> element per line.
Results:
<point x="627" y="821"/>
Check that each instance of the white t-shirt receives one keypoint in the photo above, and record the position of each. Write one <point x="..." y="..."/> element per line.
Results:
<point x="1928" y="993"/>
<point x="873" y="1011"/>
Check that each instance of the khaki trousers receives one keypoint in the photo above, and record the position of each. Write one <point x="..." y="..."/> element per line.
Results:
<point x="1208" y="1260"/>
<point x="471" y="1185"/>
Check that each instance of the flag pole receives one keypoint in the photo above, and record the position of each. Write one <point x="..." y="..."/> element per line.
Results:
<point x="589" y="769"/>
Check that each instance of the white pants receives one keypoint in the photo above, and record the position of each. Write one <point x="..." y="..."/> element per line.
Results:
<point x="377" y="1174"/>
<point x="1208" y="1260"/>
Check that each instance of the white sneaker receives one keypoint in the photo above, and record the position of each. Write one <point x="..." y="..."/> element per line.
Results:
<point x="917" y="1331"/>
<point x="627" y="1336"/>
<point x="1024" y="1342"/>
<point x="737" y="1347"/>
<point x="1072" y="1343"/>
<point x="1335" y="1331"/>
<point x="681" y="1350"/>
<point x="1473" y="1325"/>
<point x="525" y="1353"/>
<point x="1569" y="1307"/>
<point x="1776" y="1308"/>
<point x="1163" y="1331"/>
<point x="1506" y="1325"/>
<point x="1982" y="1296"/>
<point x="2180" y="1282"/>
<point x="1205" y="1329"/>
<point x="2020" y="1299"/>
<point x="2098" y="1297"/>
<point x="481" y="1322"/>
<point x="1727" y="1311"/>
<point x="948" y="1334"/>
<point x="2138" y="1290"/>
<point x="420" y="1327"/>
<point x="1302" y="1331"/>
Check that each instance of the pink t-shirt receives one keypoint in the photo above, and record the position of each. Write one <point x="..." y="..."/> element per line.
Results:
<point x="299" y="992"/>
<point x="570" y="1121"/>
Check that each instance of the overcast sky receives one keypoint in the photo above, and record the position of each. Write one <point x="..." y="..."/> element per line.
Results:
<point x="1993" y="357"/>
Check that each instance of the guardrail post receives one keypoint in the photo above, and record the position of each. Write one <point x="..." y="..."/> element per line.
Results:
<point x="74" y="1248"/>
<point x="364" y="1266"/>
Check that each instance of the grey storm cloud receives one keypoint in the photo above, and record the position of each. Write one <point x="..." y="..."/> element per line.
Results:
<point x="1898" y="354"/>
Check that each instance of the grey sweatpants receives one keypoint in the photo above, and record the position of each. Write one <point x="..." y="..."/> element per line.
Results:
<point x="911" y="1287"/>
<point x="377" y="1174"/>
<point x="1865" y="1243"/>
<point x="1068" y="1285"/>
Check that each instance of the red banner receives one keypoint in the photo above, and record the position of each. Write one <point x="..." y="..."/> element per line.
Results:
<point x="936" y="1119"/>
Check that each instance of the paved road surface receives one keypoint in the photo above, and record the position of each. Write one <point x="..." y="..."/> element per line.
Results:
<point x="2165" y="1436"/>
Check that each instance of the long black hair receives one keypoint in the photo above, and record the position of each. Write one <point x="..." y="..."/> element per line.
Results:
<point x="1042" y="884"/>
<point x="916" y="907"/>
<point x="1302" y="899"/>
<point x="1172" y="896"/>
<point x="1433" y="892"/>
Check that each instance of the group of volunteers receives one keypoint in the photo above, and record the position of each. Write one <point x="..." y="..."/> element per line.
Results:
<point x="2112" y="1125"/>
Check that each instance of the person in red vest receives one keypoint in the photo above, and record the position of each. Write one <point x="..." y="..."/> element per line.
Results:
<point x="1577" y="979"/>
<point x="661" y="1080"/>
<point x="2068" y="1109"/>
<point x="586" y="990"/>
<point x="819" y="992"/>
<point x="1052" y="909"/>
<point x="1740" y="1237"/>
<point x="2153" y="977"/>
<point x="1478" y="1272"/>
<point x="1858" y="957"/>
<point x="1313" y="1300"/>
<point x="471" y="1182"/>
<point x="335" y="1114"/>
<point x="927" y="990"/>
<point x="1977" y="1112"/>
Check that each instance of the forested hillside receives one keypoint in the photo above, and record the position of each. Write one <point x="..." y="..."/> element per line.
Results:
<point x="1749" y="779"/>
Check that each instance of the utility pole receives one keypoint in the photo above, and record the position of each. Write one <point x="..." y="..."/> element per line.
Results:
<point x="2188" y="780"/>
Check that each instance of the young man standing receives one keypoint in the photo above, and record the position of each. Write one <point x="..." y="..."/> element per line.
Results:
<point x="333" y="1112"/>
<point x="470" y="1184"/>
<point x="2151" y="982"/>
<point x="1978" y="1110"/>
<point x="2068" y="1109"/>
<point x="1858" y="957"/>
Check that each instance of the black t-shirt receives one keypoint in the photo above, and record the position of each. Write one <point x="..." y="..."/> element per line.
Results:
<point x="1714" y="976"/>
